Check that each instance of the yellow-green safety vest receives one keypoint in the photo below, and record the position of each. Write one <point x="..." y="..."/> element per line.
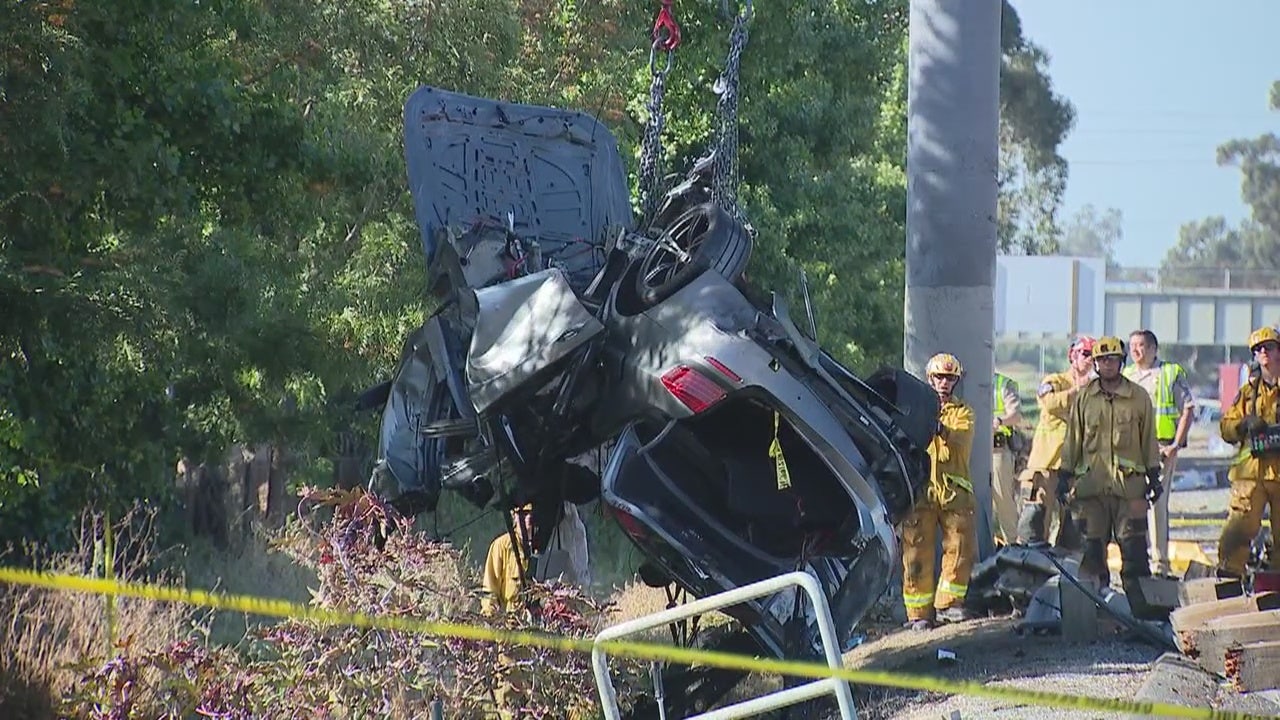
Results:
<point x="1167" y="411"/>
<point x="998" y="403"/>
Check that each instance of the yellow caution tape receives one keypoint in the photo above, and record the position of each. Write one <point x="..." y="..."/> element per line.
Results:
<point x="627" y="648"/>
<point x="780" y="462"/>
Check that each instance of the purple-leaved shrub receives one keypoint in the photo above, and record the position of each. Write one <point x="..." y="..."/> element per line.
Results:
<point x="299" y="668"/>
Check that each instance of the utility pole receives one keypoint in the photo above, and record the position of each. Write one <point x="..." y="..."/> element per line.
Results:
<point x="953" y="115"/>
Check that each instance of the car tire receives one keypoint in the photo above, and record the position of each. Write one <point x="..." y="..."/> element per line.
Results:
<point x="652" y="575"/>
<point x="719" y="243"/>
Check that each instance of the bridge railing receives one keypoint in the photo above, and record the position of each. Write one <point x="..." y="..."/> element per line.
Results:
<point x="1194" y="278"/>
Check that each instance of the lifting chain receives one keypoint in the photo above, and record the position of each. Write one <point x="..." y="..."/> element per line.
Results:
<point x="666" y="38"/>
<point x="724" y="188"/>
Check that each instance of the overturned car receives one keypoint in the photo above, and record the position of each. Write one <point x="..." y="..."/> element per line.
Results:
<point x="738" y="449"/>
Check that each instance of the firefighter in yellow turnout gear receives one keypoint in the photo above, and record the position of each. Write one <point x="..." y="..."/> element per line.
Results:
<point x="1041" y="513"/>
<point x="1251" y="423"/>
<point x="1110" y="472"/>
<point x="502" y="578"/>
<point x="502" y="567"/>
<point x="949" y="505"/>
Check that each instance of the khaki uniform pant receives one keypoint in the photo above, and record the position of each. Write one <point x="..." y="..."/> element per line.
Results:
<point x="1249" y="499"/>
<point x="1107" y="518"/>
<point x="1004" y="494"/>
<point x="1158" y="519"/>
<point x="919" y="545"/>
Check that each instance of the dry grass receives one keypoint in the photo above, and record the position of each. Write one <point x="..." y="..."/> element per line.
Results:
<point x="250" y="567"/>
<point x="635" y="599"/>
<point x="49" y="637"/>
<point x="171" y="661"/>
<point x="54" y="647"/>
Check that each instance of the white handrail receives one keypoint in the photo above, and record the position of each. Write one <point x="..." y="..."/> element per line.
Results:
<point x="764" y="703"/>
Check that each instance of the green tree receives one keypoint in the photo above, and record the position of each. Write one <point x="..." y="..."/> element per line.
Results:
<point x="205" y="225"/>
<point x="821" y="153"/>
<point x="1089" y="233"/>
<point x="1211" y="252"/>
<point x="1034" y="120"/>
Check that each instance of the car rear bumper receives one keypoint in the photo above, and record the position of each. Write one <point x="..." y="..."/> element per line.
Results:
<point x="706" y="557"/>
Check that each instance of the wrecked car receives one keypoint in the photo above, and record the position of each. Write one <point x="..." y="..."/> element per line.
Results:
<point x="738" y="449"/>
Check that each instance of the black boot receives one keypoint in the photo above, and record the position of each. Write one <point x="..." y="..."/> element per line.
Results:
<point x="1093" y="562"/>
<point x="1135" y="564"/>
<point x="1070" y="532"/>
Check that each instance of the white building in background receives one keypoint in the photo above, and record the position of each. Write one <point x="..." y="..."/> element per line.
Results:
<point x="1051" y="298"/>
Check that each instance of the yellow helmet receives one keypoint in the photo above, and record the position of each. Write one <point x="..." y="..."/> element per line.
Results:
<point x="1108" y="346"/>
<point x="1262" y="335"/>
<point x="944" y="364"/>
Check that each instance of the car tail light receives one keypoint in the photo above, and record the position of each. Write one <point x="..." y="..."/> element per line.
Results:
<point x="630" y="525"/>
<point x="695" y="390"/>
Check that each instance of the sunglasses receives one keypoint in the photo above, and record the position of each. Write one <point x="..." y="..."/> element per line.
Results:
<point x="1271" y="348"/>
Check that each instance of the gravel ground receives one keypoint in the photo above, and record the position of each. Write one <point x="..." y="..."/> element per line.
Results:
<point x="1199" y="502"/>
<point x="1200" y="511"/>
<point x="989" y="651"/>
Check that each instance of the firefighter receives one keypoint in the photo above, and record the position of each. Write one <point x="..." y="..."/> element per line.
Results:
<point x="1166" y="383"/>
<point x="1252" y="422"/>
<point x="948" y="505"/>
<point x="503" y="571"/>
<point x="1110" y="472"/>
<point x="503" y="578"/>
<point x="1006" y="417"/>
<point x="1040" y="511"/>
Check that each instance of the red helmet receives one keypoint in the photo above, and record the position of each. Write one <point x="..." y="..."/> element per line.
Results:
<point x="1083" y="343"/>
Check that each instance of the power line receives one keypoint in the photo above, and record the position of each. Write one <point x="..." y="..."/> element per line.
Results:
<point x="1186" y="132"/>
<point x="1205" y="161"/>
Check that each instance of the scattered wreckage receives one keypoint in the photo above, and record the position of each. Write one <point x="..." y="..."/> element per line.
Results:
<point x="1041" y="586"/>
<point x="738" y="448"/>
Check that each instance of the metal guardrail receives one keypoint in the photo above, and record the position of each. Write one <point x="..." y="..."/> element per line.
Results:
<point x="764" y="703"/>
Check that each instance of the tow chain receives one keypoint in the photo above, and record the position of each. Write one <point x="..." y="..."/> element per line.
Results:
<point x="666" y="38"/>
<point x="724" y="186"/>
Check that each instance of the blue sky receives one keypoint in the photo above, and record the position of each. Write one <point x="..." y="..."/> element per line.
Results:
<point x="1157" y="86"/>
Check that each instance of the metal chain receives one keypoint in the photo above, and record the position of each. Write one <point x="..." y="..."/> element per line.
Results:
<point x="724" y="187"/>
<point x="651" y="143"/>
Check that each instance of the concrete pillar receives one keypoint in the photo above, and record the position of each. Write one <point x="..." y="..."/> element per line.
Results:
<point x="952" y="154"/>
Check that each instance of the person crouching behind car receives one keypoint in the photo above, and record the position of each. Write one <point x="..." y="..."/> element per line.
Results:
<point x="503" y="579"/>
<point x="949" y="505"/>
<point x="503" y="571"/>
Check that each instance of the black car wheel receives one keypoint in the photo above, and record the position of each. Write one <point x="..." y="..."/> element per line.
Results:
<point x="704" y="237"/>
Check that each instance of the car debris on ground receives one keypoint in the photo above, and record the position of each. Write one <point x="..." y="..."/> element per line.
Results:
<point x="1222" y="634"/>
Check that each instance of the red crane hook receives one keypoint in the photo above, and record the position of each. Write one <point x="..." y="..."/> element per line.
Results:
<point x="666" y="32"/>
